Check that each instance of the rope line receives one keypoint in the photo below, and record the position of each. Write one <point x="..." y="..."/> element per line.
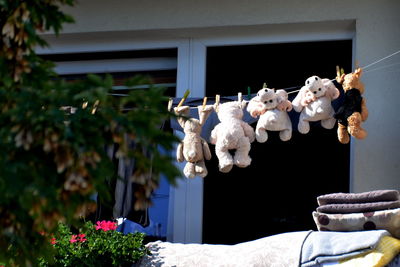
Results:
<point x="379" y="60"/>
<point x="382" y="67"/>
<point x="365" y="67"/>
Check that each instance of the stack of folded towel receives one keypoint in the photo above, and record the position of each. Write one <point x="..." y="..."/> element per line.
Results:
<point x="372" y="210"/>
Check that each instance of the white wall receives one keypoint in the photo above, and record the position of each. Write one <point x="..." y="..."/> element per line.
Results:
<point x="376" y="160"/>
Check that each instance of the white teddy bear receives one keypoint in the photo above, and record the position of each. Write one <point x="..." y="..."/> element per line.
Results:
<point x="314" y="103"/>
<point x="232" y="133"/>
<point x="272" y="107"/>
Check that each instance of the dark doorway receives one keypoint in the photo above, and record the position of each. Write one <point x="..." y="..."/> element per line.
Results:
<point x="277" y="192"/>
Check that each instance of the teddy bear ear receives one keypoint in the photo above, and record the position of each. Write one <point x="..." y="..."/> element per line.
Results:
<point x="358" y="72"/>
<point x="242" y="104"/>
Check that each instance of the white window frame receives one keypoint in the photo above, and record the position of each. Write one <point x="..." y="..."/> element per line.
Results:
<point x="186" y="200"/>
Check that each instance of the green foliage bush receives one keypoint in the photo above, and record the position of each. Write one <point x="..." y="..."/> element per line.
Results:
<point x="52" y="160"/>
<point x="94" y="246"/>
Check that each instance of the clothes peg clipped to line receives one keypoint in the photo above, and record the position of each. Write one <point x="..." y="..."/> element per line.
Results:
<point x="184" y="98"/>
<point x="170" y="100"/>
<point x="204" y="102"/>
<point x="217" y="102"/>
<point x="339" y="71"/>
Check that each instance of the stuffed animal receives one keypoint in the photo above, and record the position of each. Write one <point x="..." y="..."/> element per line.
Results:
<point x="272" y="107"/>
<point x="314" y="103"/>
<point x="193" y="148"/>
<point x="354" y="109"/>
<point x="232" y="133"/>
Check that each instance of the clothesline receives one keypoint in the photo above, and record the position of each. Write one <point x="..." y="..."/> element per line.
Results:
<point x="195" y="101"/>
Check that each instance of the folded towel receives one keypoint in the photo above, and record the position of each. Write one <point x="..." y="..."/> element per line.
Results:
<point x="387" y="249"/>
<point x="383" y="219"/>
<point x="372" y="196"/>
<point x="320" y="247"/>
<point x="358" y="207"/>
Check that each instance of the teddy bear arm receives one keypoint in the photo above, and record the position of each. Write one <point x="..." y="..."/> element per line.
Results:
<point x="214" y="134"/>
<point x="248" y="131"/>
<point x="206" y="150"/>
<point x="364" y="110"/>
<point x="297" y="102"/>
<point x="179" y="153"/>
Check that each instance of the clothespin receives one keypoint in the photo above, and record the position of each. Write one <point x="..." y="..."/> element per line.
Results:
<point x="96" y="104"/>
<point x="84" y="105"/>
<point x="337" y="71"/>
<point x="170" y="100"/>
<point x="357" y="65"/>
<point x="264" y="85"/>
<point x="248" y="92"/>
<point x="184" y="98"/>
<point x="204" y="103"/>
<point x="240" y="98"/>
<point x="216" y="102"/>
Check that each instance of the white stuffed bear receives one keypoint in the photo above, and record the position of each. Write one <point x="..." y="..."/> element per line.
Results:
<point x="232" y="133"/>
<point x="314" y="103"/>
<point x="272" y="107"/>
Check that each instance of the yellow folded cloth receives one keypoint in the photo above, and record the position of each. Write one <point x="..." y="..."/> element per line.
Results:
<point x="387" y="248"/>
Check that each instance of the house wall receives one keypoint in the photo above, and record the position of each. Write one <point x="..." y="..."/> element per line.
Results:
<point x="375" y="161"/>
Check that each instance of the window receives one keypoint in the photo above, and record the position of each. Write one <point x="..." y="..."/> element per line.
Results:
<point x="157" y="64"/>
<point x="277" y="192"/>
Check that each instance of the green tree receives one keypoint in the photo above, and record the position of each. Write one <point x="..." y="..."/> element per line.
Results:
<point x="53" y="159"/>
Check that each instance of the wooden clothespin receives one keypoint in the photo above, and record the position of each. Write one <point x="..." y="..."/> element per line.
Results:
<point x="337" y="71"/>
<point x="216" y="102"/>
<point x="84" y="105"/>
<point x="170" y="101"/>
<point x="357" y="65"/>
<point x="184" y="98"/>
<point x="204" y="103"/>
<point x="96" y="104"/>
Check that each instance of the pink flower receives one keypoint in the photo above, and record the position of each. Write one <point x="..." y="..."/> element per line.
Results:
<point x="53" y="241"/>
<point x="106" y="225"/>
<point x="82" y="238"/>
<point x="73" y="239"/>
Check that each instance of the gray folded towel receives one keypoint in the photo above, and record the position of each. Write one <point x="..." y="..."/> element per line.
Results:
<point x="366" y="197"/>
<point x="358" y="207"/>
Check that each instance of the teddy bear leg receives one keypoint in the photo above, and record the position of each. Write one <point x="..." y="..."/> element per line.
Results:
<point x="285" y="135"/>
<point x="189" y="170"/>
<point x="201" y="169"/>
<point x="343" y="135"/>
<point x="304" y="126"/>
<point x="224" y="158"/>
<point x="261" y="135"/>
<point x="328" y="123"/>
<point x="242" y="158"/>
<point x="354" y="127"/>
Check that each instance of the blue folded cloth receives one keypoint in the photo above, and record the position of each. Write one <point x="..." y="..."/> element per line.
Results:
<point x="322" y="247"/>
